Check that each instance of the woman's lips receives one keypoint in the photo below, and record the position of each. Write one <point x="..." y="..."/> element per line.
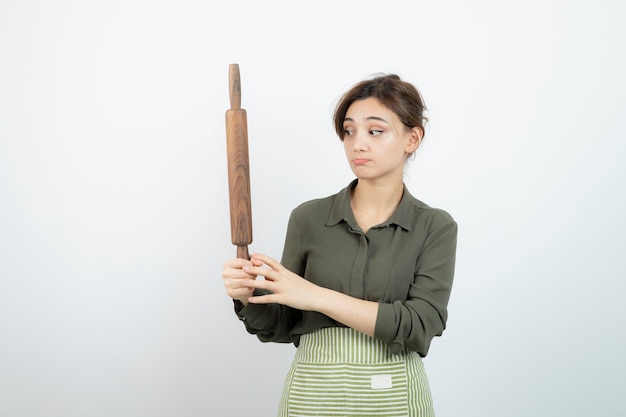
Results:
<point x="359" y="161"/>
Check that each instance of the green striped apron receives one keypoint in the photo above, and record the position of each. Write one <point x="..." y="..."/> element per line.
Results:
<point x="339" y="371"/>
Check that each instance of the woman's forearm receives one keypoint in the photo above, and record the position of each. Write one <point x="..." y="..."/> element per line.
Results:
<point x="353" y="312"/>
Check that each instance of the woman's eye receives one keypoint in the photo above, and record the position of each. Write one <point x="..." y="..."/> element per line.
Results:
<point x="347" y="132"/>
<point x="375" y="132"/>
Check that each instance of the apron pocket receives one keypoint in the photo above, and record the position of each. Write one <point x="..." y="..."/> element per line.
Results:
<point x="349" y="389"/>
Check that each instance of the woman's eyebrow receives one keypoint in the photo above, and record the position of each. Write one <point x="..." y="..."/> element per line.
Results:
<point x="380" y="119"/>
<point x="349" y="119"/>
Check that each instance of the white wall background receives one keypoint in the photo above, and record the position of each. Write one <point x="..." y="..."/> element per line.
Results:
<point x="114" y="209"/>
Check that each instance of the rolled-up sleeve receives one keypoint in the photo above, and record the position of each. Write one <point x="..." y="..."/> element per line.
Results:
<point x="269" y="322"/>
<point x="412" y="323"/>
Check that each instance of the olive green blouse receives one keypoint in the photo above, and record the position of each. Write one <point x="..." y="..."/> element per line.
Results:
<point x="406" y="264"/>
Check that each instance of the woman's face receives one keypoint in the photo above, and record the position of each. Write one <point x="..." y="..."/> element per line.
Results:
<point x="376" y="142"/>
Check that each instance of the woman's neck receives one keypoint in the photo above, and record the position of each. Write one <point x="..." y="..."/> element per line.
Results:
<point x="374" y="203"/>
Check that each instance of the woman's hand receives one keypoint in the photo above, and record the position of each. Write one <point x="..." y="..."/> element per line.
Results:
<point x="287" y="288"/>
<point x="234" y="278"/>
<point x="294" y="291"/>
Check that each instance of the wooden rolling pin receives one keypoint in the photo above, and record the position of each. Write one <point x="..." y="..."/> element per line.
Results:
<point x="238" y="167"/>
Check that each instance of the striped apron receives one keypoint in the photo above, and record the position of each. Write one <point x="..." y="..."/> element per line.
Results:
<point x="339" y="371"/>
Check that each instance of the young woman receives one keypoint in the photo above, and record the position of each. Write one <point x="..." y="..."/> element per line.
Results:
<point x="365" y="276"/>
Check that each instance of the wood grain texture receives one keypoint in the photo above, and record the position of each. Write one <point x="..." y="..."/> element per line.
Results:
<point x="238" y="167"/>
<point x="234" y="86"/>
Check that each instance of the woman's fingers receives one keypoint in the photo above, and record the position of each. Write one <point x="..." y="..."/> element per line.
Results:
<point x="284" y="287"/>
<point x="236" y="263"/>
<point x="263" y="284"/>
<point x="269" y="261"/>
<point x="264" y="266"/>
<point x="256" y="262"/>
<point x="237" y="269"/>
<point x="239" y="293"/>
<point x="273" y="297"/>
<point x="234" y="277"/>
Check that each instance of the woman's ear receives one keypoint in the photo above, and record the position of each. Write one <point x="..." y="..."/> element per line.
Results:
<point x="415" y="138"/>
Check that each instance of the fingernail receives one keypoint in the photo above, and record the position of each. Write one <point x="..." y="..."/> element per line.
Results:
<point x="246" y="268"/>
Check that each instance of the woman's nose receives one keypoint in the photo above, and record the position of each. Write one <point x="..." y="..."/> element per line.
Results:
<point x="360" y="143"/>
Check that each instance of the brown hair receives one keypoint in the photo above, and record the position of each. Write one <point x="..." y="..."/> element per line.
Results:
<point x="399" y="96"/>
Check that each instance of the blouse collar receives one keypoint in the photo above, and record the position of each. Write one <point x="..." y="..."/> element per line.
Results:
<point x="341" y="210"/>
